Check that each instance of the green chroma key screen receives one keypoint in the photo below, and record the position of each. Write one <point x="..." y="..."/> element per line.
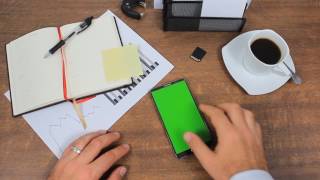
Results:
<point x="179" y="114"/>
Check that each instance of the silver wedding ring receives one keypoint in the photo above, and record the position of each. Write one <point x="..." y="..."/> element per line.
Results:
<point x="76" y="149"/>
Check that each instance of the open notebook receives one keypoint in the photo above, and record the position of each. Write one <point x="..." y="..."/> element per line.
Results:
<point x="73" y="72"/>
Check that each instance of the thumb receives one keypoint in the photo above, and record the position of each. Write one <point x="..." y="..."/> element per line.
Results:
<point x="118" y="173"/>
<point x="203" y="153"/>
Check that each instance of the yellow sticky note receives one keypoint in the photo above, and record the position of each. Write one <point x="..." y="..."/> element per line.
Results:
<point x="121" y="63"/>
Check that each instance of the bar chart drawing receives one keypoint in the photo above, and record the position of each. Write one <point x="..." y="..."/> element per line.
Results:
<point x="148" y="67"/>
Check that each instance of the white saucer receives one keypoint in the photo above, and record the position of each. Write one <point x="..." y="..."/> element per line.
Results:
<point x="232" y="54"/>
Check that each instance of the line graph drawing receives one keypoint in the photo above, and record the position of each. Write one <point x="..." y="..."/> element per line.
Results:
<point x="68" y="122"/>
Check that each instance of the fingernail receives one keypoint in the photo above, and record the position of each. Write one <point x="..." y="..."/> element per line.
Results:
<point x="187" y="137"/>
<point x="116" y="133"/>
<point x="126" y="146"/>
<point x="123" y="171"/>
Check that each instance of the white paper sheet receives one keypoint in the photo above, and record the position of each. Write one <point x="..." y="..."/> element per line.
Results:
<point x="59" y="125"/>
<point x="158" y="4"/>
<point x="248" y="3"/>
<point x="223" y="8"/>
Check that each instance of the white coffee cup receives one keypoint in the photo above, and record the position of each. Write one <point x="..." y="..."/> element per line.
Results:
<point x="255" y="66"/>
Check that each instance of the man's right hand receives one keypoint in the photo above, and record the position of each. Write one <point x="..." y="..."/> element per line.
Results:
<point x="239" y="146"/>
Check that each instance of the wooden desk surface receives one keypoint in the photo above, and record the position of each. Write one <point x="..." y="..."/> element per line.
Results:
<point x="289" y="116"/>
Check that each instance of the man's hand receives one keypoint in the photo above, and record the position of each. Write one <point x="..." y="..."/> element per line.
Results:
<point x="86" y="165"/>
<point x="239" y="142"/>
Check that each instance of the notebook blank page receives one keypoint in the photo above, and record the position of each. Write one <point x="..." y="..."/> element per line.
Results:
<point x="83" y="54"/>
<point x="34" y="81"/>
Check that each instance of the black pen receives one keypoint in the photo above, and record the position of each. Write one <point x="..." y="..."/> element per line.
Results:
<point x="83" y="26"/>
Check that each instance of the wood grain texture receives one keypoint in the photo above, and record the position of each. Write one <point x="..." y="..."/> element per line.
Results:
<point x="289" y="116"/>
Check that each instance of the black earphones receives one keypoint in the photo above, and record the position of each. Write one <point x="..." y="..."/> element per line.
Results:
<point x="128" y="7"/>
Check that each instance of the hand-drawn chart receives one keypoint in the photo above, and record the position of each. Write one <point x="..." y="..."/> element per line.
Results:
<point x="59" y="125"/>
<point x="75" y="128"/>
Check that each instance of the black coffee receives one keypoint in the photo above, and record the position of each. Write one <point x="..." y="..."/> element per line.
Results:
<point x="266" y="51"/>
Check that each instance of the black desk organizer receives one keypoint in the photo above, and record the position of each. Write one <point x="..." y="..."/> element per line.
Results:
<point x="186" y="16"/>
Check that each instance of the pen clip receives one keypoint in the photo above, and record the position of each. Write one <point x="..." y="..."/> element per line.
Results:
<point x="87" y="22"/>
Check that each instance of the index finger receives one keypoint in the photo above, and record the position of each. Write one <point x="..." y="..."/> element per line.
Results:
<point x="235" y="113"/>
<point x="217" y="117"/>
<point x="200" y="150"/>
<point x="105" y="161"/>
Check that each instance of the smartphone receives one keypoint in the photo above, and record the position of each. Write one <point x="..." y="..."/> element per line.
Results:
<point x="179" y="114"/>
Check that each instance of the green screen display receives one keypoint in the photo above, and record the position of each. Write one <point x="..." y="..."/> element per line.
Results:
<point x="179" y="114"/>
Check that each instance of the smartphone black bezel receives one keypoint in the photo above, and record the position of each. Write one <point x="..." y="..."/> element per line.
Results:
<point x="212" y="141"/>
